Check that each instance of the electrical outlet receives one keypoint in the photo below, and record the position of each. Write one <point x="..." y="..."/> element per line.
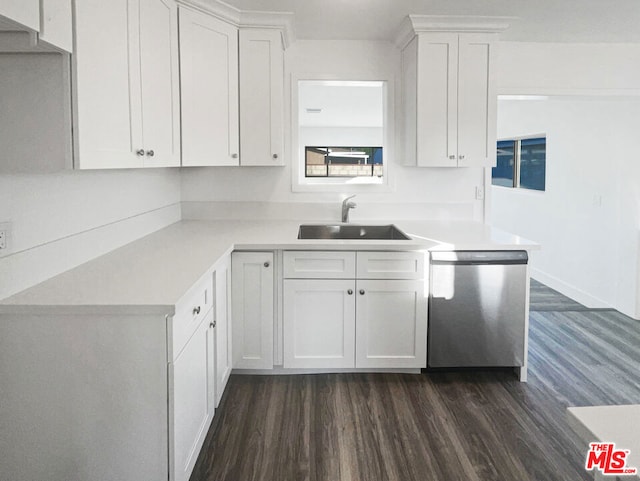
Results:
<point x="479" y="192"/>
<point x="5" y="238"/>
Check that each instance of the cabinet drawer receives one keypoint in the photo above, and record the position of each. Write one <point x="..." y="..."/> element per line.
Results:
<point x="190" y="310"/>
<point x="391" y="265"/>
<point x="319" y="265"/>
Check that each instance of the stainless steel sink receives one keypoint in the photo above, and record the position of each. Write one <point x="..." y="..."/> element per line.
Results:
<point x="351" y="231"/>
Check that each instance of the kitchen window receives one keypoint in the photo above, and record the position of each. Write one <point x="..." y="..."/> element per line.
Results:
<point x="341" y="136"/>
<point x="343" y="161"/>
<point x="521" y="163"/>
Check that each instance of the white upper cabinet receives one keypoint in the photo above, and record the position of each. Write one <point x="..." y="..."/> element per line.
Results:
<point x="56" y="24"/>
<point x="127" y="86"/>
<point x="23" y="12"/>
<point x="261" y="97"/>
<point x="209" y="90"/>
<point x="449" y="100"/>
<point x="477" y="101"/>
<point x="160" y="83"/>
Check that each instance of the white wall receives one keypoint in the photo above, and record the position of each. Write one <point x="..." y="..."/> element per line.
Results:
<point x="588" y="220"/>
<point x="429" y="193"/>
<point x="64" y="219"/>
<point x="564" y="68"/>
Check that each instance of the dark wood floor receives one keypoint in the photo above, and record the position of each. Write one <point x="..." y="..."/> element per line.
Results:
<point x="478" y="425"/>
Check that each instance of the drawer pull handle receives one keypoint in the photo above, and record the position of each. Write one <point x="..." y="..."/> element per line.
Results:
<point x="196" y="310"/>
<point x="350" y="291"/>
<point x="362" y="292"/>
<point x="266" y="264"/>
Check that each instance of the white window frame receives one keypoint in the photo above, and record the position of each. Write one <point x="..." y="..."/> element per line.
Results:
<point x="301" y="183"/>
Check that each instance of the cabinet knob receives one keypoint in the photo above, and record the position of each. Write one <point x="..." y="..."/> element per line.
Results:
<point x="452" y="157"/>
<point x="350" y="291"/>
<point x="461" y="157"/>
<point x="266" y="264"/>
<point x="150" y="153"/>
<point x="362" y="292"/>
<point x="275" y="156"/>
<point x="196" y="310"/>
<point x="234" y="156"/>
<point x="140" y="152"/>
<point x="212" y="325"/>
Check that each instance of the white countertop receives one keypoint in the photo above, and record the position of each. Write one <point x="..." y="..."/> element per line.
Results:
<point x="615" y="424"/>
<point x="154" y="272"/>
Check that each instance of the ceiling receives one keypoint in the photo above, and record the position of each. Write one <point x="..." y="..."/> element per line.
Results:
<point x="539" y="20"/>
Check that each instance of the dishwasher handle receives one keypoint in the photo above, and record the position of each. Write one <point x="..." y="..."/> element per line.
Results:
<point x="479" y="257"/>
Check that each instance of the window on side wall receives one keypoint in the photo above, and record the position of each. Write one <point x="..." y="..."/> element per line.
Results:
<point x="521" y="163"/>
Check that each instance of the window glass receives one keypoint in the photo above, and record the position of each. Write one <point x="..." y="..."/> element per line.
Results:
<point x="343" y="161"/>
<point x="503" y="173"/>
<point x="533" y="163"/>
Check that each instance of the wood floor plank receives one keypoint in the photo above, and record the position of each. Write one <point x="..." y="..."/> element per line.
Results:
<point x="477" y="425"/>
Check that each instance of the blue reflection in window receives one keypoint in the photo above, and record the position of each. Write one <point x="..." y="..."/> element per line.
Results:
<point x="503" y="173"/>
<point x="533" y="154"/>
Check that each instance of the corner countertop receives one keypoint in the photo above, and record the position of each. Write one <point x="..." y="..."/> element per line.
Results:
<point x="610" y="424"/>
<point x="151" y="274"/>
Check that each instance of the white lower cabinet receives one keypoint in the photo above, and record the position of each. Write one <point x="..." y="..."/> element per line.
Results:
<point x="319" y="323"/>
<point x="252" y="283"/>
<point x="223" y="355"/>
<point x="391" y="328"/>
<point x="193" y="398"/>
<point x="374" y="320"/>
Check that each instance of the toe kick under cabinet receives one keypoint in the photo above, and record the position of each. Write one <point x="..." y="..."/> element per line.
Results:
<point x="354" y="310"/>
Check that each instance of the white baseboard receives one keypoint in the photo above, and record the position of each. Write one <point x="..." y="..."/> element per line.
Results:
<point x="570" y="291"/>
<point x="27" y="268"/>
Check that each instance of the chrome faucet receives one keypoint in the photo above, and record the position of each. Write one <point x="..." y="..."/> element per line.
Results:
<point x="346" y="205"/>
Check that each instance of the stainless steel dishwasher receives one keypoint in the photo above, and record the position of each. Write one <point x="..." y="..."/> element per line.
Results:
<point x="477" y="308"/>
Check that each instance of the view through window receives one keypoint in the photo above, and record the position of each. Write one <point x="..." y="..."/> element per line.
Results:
<point x="521" y="163"/>
<point x="343" y="161"/>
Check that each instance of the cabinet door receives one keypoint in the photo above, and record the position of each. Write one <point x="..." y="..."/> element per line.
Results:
<point x="261" y="97"/>
<point x="437" y="100"/>
<point x="477" y="102"/>
<point x="209" y="90"/>
<point x="252" y="309"/>
<point x="319" y="323"/>
<point x="191" y="399"/>
<point x="391" y="324"/>
<point x="56" y="24"/>
<point x="24" y="12"/>
<point x="160" y="82"/>
<point x="224" y="360"/>
<point x="107" y="85"/>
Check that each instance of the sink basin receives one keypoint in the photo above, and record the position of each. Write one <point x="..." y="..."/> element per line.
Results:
<point x="351" y="231"/>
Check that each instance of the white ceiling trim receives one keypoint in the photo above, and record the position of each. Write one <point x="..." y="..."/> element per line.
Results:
<point x="282" y="21"/>
<point x="415" y="24"/>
